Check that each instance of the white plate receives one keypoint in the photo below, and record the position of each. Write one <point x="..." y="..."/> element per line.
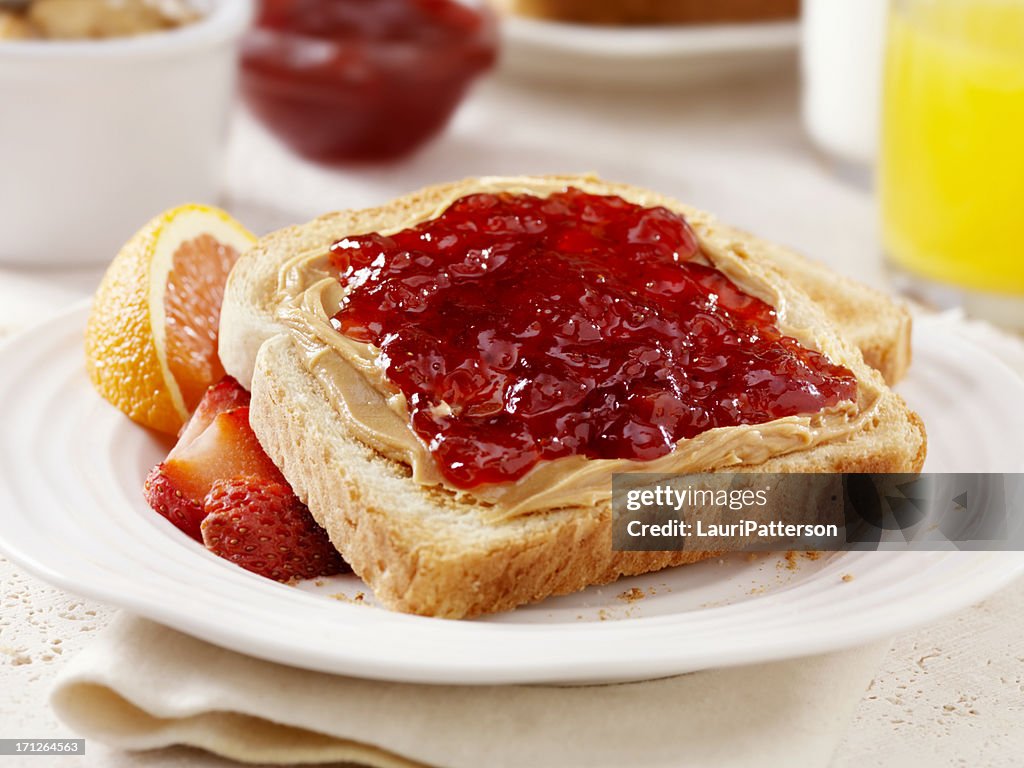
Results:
<point x="72" y="469"/>
<point x="641" y="56"/>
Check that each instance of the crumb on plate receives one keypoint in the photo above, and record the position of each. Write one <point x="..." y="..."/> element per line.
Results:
<point x="632" y="595"/>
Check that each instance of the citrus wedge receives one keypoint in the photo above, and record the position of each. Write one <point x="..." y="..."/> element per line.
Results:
<point x="151" y="339"/>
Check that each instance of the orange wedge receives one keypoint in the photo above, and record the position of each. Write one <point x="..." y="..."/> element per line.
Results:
<point x="151" y="339"/>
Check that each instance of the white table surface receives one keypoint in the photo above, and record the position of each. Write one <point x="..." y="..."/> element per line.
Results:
<point x="948" y="694"/>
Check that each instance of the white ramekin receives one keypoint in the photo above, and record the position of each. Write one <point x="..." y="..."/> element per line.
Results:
<point x="96" y="137"/>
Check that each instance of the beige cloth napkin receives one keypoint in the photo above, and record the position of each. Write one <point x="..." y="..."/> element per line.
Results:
<point x="143" y="686"/>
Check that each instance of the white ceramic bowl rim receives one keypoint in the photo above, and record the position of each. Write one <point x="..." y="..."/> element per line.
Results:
<point x="223" y="22"/>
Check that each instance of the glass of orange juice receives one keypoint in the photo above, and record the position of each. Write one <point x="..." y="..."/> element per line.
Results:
<point x="951" y="170"/>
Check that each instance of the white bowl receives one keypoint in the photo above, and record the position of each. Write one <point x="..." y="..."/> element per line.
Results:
<point x="98" y="136"/>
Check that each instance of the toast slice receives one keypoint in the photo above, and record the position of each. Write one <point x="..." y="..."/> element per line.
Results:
<point x="426" y="550"/>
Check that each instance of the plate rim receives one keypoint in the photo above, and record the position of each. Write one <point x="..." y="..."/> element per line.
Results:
<point x="650" y="42"/>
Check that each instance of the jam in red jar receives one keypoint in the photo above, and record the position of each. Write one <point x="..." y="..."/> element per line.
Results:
<point x="522" y="329"/>
<point x="341" y="80"/>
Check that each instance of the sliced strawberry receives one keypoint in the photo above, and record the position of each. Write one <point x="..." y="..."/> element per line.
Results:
<point x="219" y="486"/>
<point x="163" y="495"/>
<point x="222" y="396"/>
<point x="263" y="527"/>
<point x="226" y="448"/>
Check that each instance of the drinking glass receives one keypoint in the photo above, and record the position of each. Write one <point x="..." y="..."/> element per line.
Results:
<point x="951" y="169"/>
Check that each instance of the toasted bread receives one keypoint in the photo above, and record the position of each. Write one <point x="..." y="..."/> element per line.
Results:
<point x="429" y="551"/>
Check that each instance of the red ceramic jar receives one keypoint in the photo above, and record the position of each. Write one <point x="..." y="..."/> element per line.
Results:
<point x="341" y="80"/>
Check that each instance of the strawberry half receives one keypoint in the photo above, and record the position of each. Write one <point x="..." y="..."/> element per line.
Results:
<point x="263" y="527"/>
<point x="164" y="496"/>
<point x="225" y="395"/>
<point x="226" y="448"/>
<point x="217" y="442"/>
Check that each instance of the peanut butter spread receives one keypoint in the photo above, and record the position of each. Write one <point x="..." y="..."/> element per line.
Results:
<point x="375" y="412"/>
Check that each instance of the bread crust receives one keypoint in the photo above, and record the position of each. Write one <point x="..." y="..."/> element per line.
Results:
<point x="419" y="549"/>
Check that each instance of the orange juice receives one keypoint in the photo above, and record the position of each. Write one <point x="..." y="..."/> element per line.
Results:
<point x="951" y="175"/>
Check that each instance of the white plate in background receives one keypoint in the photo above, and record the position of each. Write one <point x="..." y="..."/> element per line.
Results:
<point x="642" y="57"/>
<point x="71" y="474"/>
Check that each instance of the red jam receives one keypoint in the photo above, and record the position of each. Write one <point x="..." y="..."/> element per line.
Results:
<point x="362" y="79"/>
<point x="569" y="325"/>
